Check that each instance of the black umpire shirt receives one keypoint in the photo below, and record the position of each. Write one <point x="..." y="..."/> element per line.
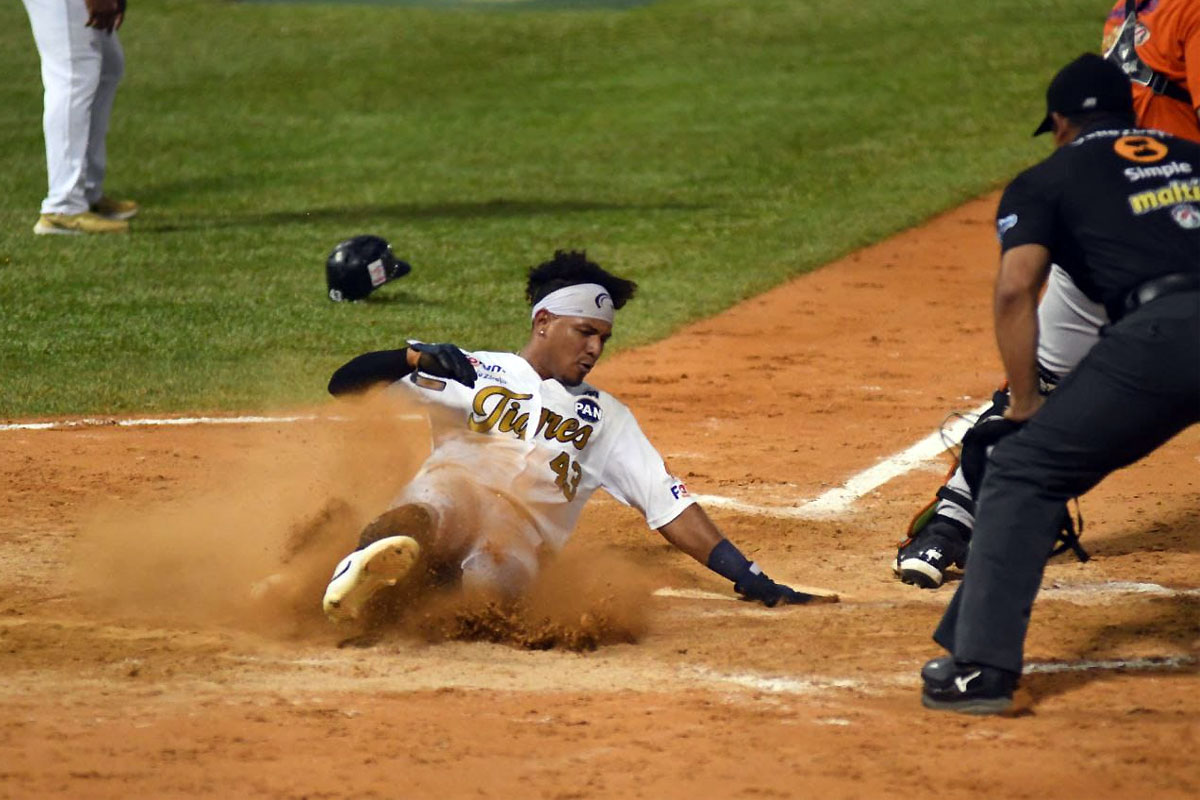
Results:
<point x="1116" y="208"/>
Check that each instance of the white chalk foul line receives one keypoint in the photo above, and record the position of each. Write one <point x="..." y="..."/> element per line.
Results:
<point x="1083" y="594"/>
<point x="99" y="422"/>
<point x="814" y="684"/>
<point x="141" y="423"/>
<point x="828" y="504"/>
<point x="839" y="500"/>
<point x="1154" y="662"/>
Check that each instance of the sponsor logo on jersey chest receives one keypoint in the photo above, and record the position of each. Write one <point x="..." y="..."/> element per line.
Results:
<point x="1173" y="194"/>
<point x="588" y="410"/>
<point x="1168" y="170"/>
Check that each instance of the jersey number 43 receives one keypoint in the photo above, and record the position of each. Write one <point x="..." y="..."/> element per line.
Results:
<point x="566" y="475"/>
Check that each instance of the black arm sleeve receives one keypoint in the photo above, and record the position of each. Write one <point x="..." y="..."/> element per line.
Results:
<point x="381" y="366"/>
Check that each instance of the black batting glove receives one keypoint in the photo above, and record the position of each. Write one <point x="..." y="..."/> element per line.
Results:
<point x="444" y="361"/>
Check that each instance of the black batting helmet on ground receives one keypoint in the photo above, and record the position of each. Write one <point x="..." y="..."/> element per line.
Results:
<point x="359" y="266"/>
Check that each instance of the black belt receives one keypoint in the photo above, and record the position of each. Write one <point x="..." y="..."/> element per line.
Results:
<point x="1161" y="286"/>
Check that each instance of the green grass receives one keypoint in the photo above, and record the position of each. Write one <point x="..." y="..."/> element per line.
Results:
<point x="707" y="149"/>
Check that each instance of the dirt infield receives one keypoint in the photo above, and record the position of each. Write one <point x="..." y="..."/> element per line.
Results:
<point x="134" y="663"/>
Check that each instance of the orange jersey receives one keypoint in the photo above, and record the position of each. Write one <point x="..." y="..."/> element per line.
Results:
<point x="1168" y="41"/>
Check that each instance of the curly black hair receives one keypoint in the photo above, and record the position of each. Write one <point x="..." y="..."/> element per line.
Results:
<point x="571" y="267"/>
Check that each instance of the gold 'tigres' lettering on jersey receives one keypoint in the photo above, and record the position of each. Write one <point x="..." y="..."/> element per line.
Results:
<point x="500" y="408"/>
<point x="1172" y="194"/>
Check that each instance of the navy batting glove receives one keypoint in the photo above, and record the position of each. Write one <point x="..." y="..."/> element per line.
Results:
<point x="757" y="586"/>
<point x="445" y="361"/>
<point x="752" y="583"/>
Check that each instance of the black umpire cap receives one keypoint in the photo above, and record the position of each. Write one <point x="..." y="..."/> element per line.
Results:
<point x="1087" y="84"/>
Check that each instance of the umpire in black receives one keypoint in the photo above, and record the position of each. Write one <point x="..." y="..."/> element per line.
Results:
<point x="1119" y="209"/>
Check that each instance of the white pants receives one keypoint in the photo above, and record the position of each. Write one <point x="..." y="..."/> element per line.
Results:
<point x="480" y="530"/>
<point x="81" y="67"/>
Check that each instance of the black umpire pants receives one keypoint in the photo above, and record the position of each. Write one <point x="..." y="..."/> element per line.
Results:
<point x="1138" y="387"/>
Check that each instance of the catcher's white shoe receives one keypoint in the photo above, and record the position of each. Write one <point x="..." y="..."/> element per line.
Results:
<point x="364" y="572"/>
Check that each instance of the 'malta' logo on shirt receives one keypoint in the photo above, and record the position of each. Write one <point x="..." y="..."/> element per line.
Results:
<point x="499" y="408"/>
<point x="1173" y="194"/>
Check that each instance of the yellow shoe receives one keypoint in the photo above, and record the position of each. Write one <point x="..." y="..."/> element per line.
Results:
<point x="115" y="209"/>
<point x="84" y="222"/>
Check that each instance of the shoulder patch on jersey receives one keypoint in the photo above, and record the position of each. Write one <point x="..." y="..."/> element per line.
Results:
<point x="1005" y="224"/>
<point x="588" y="410"/>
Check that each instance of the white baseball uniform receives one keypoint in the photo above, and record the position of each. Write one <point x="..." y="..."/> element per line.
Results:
<point x="515" y="459"/>
<point x="1068" y="326"/>
<point x="81" y="68"/>
<point x="1069" y="323"/>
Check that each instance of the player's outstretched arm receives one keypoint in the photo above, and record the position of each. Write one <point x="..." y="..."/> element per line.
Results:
<point x="363" y="372"/>
<point x="389" y="366"/>
<point x="698" y="536"/>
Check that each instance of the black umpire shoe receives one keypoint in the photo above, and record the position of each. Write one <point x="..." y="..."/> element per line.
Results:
<point x="924" y="559"/>
<point x="966" y="688"/>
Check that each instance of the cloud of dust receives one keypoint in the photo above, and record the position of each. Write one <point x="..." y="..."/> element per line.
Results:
<point x="251" y="540"/>
<point x="252" y="544"/>
<point x="583" y="599"/>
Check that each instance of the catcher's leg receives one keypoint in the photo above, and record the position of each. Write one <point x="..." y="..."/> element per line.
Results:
<point x="938" y="538"/>
<point x="939" y="535"/>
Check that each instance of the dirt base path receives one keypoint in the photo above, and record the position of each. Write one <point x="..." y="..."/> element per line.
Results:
<point x="134" y="664"/>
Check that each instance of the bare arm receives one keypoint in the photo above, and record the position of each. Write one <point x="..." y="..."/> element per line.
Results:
<point x="1023" y="270"/>
<point x="698" y="536"/>
<point x="693" y="533"/>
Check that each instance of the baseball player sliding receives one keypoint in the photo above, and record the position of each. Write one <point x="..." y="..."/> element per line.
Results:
<point x="520" y="442"/>
<point x="1156" y="43"/>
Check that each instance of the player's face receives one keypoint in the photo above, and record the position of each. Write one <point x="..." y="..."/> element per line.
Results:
<point x="575" y="345"/>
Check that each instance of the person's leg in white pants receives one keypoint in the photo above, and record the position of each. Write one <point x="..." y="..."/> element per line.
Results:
<point x="76" y="62"/>
<point x="112" y="67"/>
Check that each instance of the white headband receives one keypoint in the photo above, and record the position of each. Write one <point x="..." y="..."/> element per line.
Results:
<point x="581" y="300"/>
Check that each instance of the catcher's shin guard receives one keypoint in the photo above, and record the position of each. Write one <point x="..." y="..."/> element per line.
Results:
<point x="977" y="444"/>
